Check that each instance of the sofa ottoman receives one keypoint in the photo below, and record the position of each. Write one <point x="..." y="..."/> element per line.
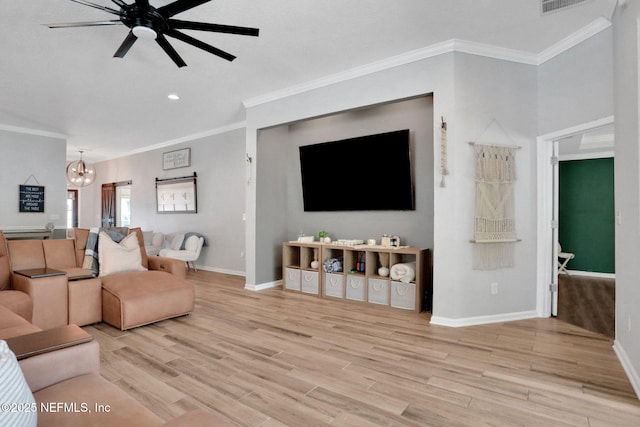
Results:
<point x="137" y="298"/>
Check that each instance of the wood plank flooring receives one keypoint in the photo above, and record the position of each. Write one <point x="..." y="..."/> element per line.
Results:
<point x="276" y="358"/>
<point x="588" y="302"/>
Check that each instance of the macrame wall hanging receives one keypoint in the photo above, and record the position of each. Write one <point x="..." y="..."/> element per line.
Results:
<point x="443" y="151"/>
<point x="494" y="221"/>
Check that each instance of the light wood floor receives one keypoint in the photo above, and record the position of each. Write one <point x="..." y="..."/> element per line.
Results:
<point x="276" y="358"/>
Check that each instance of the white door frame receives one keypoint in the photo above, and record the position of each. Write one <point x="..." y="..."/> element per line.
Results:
<point x="547" y="239"/>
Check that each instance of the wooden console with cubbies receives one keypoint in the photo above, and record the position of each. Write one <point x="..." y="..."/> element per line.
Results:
<point x="359" y="279"/>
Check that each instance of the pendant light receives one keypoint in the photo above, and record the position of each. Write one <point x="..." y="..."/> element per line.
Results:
<point x="80" y="173"/>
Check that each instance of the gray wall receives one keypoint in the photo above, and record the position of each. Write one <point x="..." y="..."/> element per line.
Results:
<point x="43" y="157"/>
<point x="495" y="103"/>
<point x="627" y="188"/>
<point x="219" y="162"/>
<point x="575" y="87"/>
<point x="271" y="182"/>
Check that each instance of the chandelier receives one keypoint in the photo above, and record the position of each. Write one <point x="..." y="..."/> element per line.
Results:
<point x="80" y="173"/>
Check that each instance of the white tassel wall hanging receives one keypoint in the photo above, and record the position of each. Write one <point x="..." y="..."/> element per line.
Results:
<point x="443" y="151"/>
<point x="494" y="221"/>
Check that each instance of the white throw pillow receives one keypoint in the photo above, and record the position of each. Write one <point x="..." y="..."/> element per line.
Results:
<point x="119" y="257"/>
<point x="176" y="242"/>
<point x="18" y="405"/>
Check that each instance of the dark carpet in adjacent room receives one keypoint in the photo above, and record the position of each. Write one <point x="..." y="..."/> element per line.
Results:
<point x="588" y="302"/>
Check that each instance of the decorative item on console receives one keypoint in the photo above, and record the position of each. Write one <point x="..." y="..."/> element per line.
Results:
<point x="390" y="241"/>
<point x="324" y="237"/>
<point x="302" y="238"/>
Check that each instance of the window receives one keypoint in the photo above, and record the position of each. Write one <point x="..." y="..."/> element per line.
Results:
<point x="123" y="210"/>
<point x="72" y="208"/>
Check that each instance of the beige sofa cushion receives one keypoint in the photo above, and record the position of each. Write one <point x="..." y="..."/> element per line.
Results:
<point x="89" y="391"/>
<point x="137" y="298"/>
<point x="12" y="325"/>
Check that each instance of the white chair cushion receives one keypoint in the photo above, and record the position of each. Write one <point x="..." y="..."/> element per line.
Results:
<point x="119" y="257"/>
<point x="191" y="245"/>
<point x="18" y="405"/>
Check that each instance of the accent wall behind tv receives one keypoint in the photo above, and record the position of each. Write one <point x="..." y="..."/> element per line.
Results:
<point x="415" y="227"/>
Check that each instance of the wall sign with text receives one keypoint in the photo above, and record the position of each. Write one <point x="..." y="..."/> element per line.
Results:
<point x="176" y="159"/>
<point x="31" y="198"/>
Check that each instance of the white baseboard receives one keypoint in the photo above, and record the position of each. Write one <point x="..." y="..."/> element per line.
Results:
<point x="591" y="274"/>
<point x="262" y="286"/>
<point x="632" y="373"/>
<point x="220" y="270"/>
<point x="483" y="320"/>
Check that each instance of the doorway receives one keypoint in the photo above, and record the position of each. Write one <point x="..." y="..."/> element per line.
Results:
<point x="586" y="221"/>
<point x="548" y="212"/>
<point x="116" y="204"/>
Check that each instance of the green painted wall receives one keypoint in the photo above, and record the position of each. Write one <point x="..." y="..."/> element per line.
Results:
<point x="587" y="214"/>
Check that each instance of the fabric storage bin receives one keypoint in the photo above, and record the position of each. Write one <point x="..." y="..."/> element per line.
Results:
<point x="334" y="285"/>
<point x="403" y="295"/>
<point x="355" y="288"/>
<point x="292" y="279"/>
<point x="309" y="282"/>
<point x="378" y="291"/>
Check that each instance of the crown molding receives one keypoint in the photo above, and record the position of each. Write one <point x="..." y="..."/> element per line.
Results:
<point x="452" y="45"/>
<point x="29" y="131"/>
<point x="574" y="39"/>
<point x="195" y="136"/>
<point x="385" y="64"/>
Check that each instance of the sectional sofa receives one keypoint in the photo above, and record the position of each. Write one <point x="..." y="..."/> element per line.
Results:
<point x="157" y="290"/>
<point x="33" y="309"/>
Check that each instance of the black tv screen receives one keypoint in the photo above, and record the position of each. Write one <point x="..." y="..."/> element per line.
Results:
<point x="366" y="173"/>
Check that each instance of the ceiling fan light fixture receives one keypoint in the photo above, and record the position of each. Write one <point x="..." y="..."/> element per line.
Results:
<point x="144" y="33"/>
<point x="80" y="173"/>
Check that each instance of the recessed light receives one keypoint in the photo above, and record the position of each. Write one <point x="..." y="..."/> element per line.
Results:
<point x="173" y="97"/>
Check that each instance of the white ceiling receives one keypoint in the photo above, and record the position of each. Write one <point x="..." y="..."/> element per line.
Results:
<point x="65" y="81"/>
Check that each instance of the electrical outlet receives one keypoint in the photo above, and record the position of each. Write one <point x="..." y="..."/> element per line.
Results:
<point x="494" y="288"/>
<point x="242" y="254"/>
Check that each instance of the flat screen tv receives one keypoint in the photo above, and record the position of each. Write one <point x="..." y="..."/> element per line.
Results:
<point x="367" y="173"/>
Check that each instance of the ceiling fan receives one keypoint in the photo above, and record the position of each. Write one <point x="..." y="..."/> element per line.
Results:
<point x="148" y="22"/>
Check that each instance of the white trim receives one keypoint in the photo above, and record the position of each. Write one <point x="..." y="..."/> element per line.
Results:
<point x="29" y="131"/>
<point x="578" y="129"/>
<point x="263" y="286"/>
<point x="625" y="361"/>
<point x="220" y="270"/>
<point x="592" y="274"/>
<point x="483" y="320"/>
<point x="496" y="52"/>
<point x="574" y="39"/>
<point x="452" y="45"/>
<point x="586" y="156"/>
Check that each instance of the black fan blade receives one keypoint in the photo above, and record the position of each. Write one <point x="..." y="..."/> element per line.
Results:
<point x="143" y="4"/>
<point x="97" y="6"/>
<point x="125" y="46"/>
<point x="179" y="6"/>
<point x="217" y="28"/>
<point x="164" y="44"/>
<point x="199" y="44"/>
<point x="85" y="24"/>
<point x="121" y="3"/>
